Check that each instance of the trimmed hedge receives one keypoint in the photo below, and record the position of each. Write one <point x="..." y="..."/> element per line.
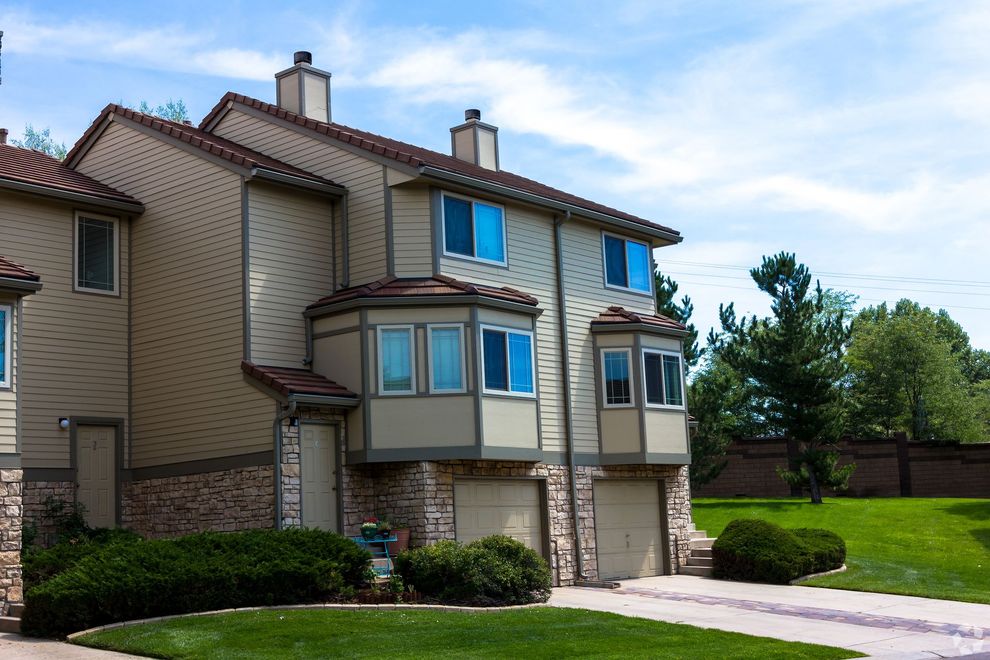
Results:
<point x="195" y="573"/>
<point x="40" y="565"/>
<point x="492" y="571"/>
<point x="760" y="551"/>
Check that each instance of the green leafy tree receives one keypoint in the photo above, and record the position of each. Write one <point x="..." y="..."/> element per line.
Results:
<point x="41" y="141"/>
<point x="170" y="110"/>
<point x="681" y="312"/>
<point x="792" y="361"/>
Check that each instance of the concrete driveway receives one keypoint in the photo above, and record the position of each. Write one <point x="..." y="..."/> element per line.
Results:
<point x="17" y="647"/>
<point x="875" y="624"/>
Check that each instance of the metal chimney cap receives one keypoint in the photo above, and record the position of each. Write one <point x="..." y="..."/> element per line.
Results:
<point x="472" y="113"/>
<point x="303" y="56"/>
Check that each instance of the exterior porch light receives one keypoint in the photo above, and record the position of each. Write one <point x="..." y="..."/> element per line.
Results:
<point x="63" y="423"/>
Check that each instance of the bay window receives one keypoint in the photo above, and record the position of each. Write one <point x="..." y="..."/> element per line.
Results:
<point x="396" y="360"/>
<point x="6" y="344"/>
<point x="616" y="377"/>
<point x="663" y="379"/>
<point x="508" y="361"/>
<point x="446" y="360"/>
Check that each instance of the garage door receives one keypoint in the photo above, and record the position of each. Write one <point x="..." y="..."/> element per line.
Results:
<point x="483" y="508"/>
<point x="627" y="528"/>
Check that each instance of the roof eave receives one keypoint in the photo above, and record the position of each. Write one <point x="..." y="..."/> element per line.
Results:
<point x="421" y="301"/>
<point x="282" y="178"/>
<point x="442" y="175"/>
<point x="325" y="400"/>
<point x="598" y="327"/>
<point x="18" y="286"/>
<point x="71" y="196"/>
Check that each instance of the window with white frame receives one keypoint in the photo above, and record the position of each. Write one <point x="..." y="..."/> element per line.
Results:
<point x="473" y="229"/>
<point x="663" y="379"/>
<point x="446" y="359"/>
<point x="396" y="359"/>
<point x="96" y="254"/>
<point x="507" y="355"/>
<point x="627" y="263"/>
<point x="6" y="343"/>
<point x="616" y="379"/>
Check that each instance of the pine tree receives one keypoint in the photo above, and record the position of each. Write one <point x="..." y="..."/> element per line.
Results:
<point x="667" y="305"/>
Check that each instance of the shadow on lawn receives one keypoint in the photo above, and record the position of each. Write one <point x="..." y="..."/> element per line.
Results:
<point x="982" y="536"/>
<point x="979" y="510"/>
<point x="772" y="505"/>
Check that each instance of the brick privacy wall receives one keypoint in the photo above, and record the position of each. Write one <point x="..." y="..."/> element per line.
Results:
<point x="227" y="500"/>
<point x="930" y="470"/>
<point x="422" y="494"/>
<point x="11" y="524"/>
<point x="35" y="494"/>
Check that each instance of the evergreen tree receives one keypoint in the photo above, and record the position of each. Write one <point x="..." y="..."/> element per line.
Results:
<point x="668" y="306"/>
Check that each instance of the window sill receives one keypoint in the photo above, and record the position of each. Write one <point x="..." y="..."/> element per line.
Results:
<point x="476" y="260"/>
<point x="510" y="395"/>
<point x="635" y="292"/>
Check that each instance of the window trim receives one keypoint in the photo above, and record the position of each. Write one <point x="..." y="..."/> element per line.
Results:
<point x="380" y="363"/>
<point x="79" y="215"/>
<point x="652" y="270"/>
<point x="629" y="363"/>
<point x="457" y="255"/>
<point x="508" y="364"/>
<point x="663" y="383"/>
<point x="7" y="382"/>
<point x="429" y="358"/>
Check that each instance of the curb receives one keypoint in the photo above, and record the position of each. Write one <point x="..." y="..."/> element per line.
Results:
<point x="812" y="576"/>
<point x="316" y="606"/>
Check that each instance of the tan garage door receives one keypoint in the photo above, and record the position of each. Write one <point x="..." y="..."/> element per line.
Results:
<point x="627" y="528"/>
<point x="506" y="506"/>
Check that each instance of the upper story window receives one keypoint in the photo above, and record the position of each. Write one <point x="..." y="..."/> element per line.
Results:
<point x="446" y="346"/>
<point x="627" y="263"/>
<point x="508" y="361"/>
<point x="6" y="343"/>
<point x="664" y="379"/>
<point x="96" y="254"/>
<point x="396" y="361"/>
<point x="616" y="377"/>
<point x="473" y="229"/>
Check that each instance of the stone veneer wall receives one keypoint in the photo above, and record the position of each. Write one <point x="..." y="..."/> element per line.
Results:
<point x="11" y="524"/>
<point x="291" y="462"/>
<point x="227" y="500"/>
<point x="35" y="494"/>
<point x="422" y="493"/>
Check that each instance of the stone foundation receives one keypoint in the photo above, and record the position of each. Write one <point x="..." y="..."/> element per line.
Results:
<point x="11" y="524"/>
<point x="227" y="500"/>
<point x="35" y="495"/>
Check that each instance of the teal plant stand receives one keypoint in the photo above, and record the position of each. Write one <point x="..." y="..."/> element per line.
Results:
<point x="381" y="553"/>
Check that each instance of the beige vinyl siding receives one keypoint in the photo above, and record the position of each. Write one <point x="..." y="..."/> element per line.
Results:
<point x="290" y="252"/>
<point x="189" y="398"/>
<point x="531" y="269"/>
<point x="8" y="394"/>
<point x="587" y="297"/>
<point x="412" y="239"/>
<point x="363" y="178"/>
<point x="75" y="343"/>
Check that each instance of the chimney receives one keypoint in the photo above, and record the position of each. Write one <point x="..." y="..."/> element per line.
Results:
<point x="475" y="141"/>
<point x="3" y="136"/>
<point x="303" y="89"/>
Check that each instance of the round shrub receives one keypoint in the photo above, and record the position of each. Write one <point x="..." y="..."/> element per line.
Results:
<point x="760" y="551"/>
<point x="492" y="571"/>
<point x="195" y="573"/>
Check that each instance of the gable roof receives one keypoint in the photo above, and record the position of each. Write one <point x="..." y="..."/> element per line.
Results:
<point x="618" y="316"/>
<point x="418" y="157"/>
<point x="33" y="171"/>
<point x="237" y="155"/>
<point x="296" y="382"/>
<point x="411" y="287"/>
<point x="17" y="279"/>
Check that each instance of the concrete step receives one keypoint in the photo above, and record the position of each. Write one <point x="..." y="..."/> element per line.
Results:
<point x="10" y="624"/>
<point x="698" y="534"/>
<point x="699" y="561"/>
<point x="701" y="552"/>
<point x="700" y="571"/>
<point x="702" y="544"/>
<point x="15" y="609"/>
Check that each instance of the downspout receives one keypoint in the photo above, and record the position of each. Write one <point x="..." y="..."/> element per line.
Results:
<point x="562" y="307"/>
<point x="277" y="439"/>
<point x="345" y="242"/>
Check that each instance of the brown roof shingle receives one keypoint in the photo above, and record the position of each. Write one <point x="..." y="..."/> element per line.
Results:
<point x="437" y="285"/>
<point x="288" y="381"/>
<point x="217" y="146"/>
<point x="418" y="156"/>
<point x="10" y="270"/>
<point x="39" y="169"/>
<point x="618" y="315"/>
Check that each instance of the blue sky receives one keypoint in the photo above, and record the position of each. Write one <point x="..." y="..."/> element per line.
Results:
<point x="854" y="134"/>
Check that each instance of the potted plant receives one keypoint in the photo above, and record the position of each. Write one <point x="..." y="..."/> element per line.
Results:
<point x="384" y="529"/>
<point x="401" y="531"/>
<point x="369" y="528"/>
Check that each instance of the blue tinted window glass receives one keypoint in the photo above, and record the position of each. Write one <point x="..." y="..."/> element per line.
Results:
<point x="615" y="261"/>
<point x="654" y="380"/>
<point x="672" y="381"/>
<point x="638" y="256"/>
<point x="457" y="226"/>
<point x="496" y="376"/>
<point x="521" y="363"/>
<point x="488" y="233"/>
<point x="395" y="361"/>
<point x="446" y="352"/>
<point x="3" y="345"/>
<point x="617" y="391"/>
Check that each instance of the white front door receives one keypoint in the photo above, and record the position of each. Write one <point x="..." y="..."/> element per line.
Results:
<point x="319" y="477"/>
<point x="628" y="529"/>
<point x="500" y="506"/>
<point x="95" y="474"/>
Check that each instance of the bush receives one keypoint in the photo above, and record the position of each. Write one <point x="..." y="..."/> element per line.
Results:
<point x="40" y="565"/>
<point x="492" y="571"/>
<point x="201" y="572"/>
<point x="759" y="551"/>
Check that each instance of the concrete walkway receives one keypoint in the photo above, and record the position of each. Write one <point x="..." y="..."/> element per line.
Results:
<point x="17" y="647"/>
<point x="878" y="625"/>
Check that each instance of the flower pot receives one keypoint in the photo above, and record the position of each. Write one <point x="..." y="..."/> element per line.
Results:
<point x="369" y="534"/>
<point x="401" y="540"/>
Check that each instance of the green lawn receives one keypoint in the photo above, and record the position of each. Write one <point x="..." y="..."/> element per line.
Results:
<point x="530" y="633"/>
<point x="933" y="547"/>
